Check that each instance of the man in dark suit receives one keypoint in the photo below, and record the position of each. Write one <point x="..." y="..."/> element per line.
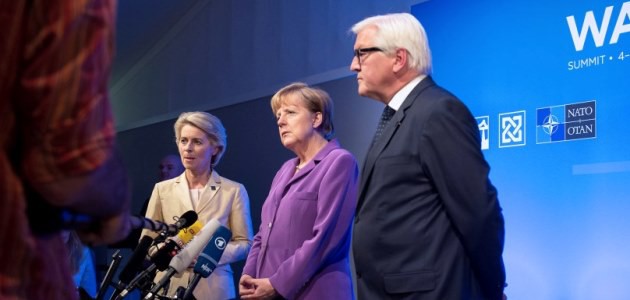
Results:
<point x="428" y="222"/>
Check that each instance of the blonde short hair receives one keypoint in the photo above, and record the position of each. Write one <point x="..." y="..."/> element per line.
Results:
<point x="207" y="123"/>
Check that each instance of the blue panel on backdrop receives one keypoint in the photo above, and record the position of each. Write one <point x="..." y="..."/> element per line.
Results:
<point x="547" y="82"/>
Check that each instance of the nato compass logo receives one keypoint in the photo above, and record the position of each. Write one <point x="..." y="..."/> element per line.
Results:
<point x="512" y="133"/>
<point x="483" y="123"/>
<point x="565" y="122"/>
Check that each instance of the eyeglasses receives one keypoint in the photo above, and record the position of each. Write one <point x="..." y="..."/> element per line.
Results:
<point x="362" y="52"/>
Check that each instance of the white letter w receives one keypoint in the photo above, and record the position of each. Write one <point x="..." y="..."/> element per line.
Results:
<point x="599" y="34"/>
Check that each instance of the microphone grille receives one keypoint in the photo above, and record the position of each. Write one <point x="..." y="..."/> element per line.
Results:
<point x="190" y="218"/>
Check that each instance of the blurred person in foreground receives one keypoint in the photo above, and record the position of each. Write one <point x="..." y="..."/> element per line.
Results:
<point x="57" y="141"/>
<point x="202" y="141"/>
<point x="301" y="250"/>
<point x="428" y="222"/>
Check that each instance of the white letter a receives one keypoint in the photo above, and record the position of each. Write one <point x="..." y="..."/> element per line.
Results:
<point x="589" y="25"/>
<point x="620" y="27"/>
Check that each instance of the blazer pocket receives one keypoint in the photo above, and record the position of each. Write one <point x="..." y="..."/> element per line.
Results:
<point x="408" y="282"/>
<point x="308" y="196"/>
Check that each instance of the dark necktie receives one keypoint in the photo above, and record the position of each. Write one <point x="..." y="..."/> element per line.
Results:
<point x="387" y="114"/>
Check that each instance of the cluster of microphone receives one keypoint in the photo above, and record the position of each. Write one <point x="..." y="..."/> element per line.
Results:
<point x="172" y="251"/>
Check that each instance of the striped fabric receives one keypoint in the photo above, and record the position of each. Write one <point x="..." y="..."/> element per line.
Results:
<point x="55" y="121"/>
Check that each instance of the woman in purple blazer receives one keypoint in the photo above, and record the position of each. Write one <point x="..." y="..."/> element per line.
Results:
<point x="301" y="249"/>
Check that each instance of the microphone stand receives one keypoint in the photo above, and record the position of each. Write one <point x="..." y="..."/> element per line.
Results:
<point x="136" y="281"/>
<point x="191" y="287"/>
<point x="113" y="267"/>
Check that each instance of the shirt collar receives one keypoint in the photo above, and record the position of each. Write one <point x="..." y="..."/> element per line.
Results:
<point x="402" y="94"/>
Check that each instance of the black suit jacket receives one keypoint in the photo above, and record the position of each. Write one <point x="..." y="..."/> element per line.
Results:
<point x="428" y="222"/>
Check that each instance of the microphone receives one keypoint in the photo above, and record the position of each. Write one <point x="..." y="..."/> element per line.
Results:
<point x="113" y="266"/>
<point x="162" y="257"/>
<point x="179" y="293"/>
<point x="187" y="219"/>
<point x="134" y="263"/>
<point x="181" y="261"/>
<point x="209" y="258"/>
<point x="71" y="221"/>
<point x="186" y="234"/>
<point x="159" y="261"/>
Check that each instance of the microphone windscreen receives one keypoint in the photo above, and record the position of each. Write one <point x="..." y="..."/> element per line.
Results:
<point x="190" y="218"/>
<point x="209" y="258"/>
<point x="185" y="257"/>
<point x="136" y="259"/>
<point x="162" y="258"/>
<point x="187" y="234"/>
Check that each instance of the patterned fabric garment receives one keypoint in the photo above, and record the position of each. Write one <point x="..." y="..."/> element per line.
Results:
<point x="56" y="122"/>
<point x="387" y="115"/>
